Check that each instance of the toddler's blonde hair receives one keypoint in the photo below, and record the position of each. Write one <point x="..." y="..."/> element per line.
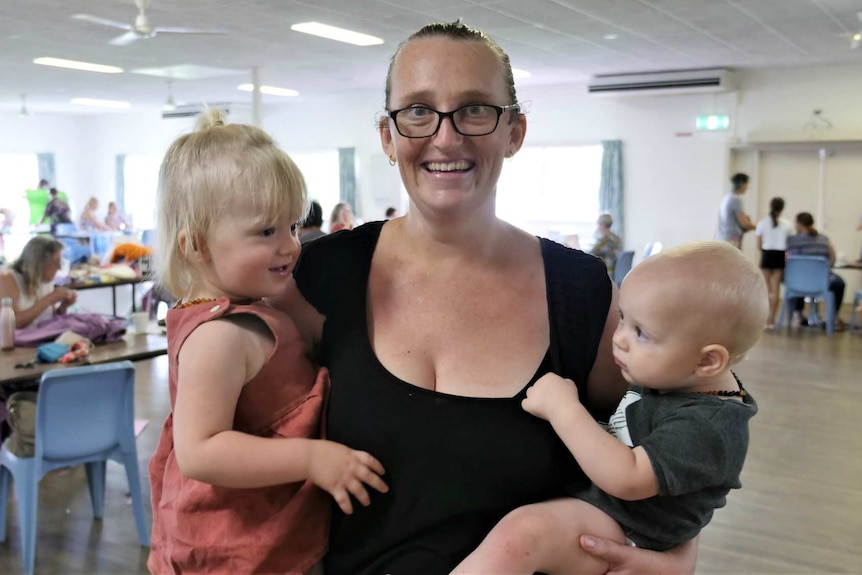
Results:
<point x="204" y="174"/>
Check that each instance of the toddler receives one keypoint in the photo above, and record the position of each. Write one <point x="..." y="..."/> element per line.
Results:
<point x="239" y="475"/>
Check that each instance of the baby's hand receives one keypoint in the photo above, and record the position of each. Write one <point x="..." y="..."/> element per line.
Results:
<point x="549" y="395"/>
<point x="341" y="472"/>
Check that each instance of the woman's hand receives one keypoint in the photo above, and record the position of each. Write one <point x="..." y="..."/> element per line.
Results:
<point x="341" y="472"/>
<point x="633" y="561"/>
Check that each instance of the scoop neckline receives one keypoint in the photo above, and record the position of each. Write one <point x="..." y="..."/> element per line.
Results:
<point x="391" y="377"/>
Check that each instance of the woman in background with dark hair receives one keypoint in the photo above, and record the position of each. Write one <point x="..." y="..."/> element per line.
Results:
<point x="772" y="234"/>
<point x="809" y="242"/>
<point x="309" y="229"/>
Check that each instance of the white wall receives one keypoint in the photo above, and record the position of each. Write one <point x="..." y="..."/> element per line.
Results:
<point x="674" y="176"/>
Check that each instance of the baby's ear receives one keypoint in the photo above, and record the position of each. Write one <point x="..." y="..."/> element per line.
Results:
<point x="191" y="247"/>
<point x="714" y="359"/>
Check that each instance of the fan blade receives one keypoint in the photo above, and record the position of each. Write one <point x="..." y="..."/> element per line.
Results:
<point x="125" y="39"/>
<point x="101" y="21"/>
<point x="177" y="30"/>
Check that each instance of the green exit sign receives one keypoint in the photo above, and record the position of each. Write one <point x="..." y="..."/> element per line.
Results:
<point x="713" y="122"/>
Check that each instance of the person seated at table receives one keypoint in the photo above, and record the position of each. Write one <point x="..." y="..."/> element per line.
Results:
<point x="608" y="244"/>
<point x="89" y="220"/>
<point x="29" y="281"/>
<point x="341" y="218"/>
<point x="114" y="220"/>
<point x="809" y="242"/>
<point x="309" y="229"/>
<point x="56" y="210"/>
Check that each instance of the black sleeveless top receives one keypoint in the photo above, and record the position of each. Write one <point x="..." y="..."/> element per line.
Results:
<point x="455" y="465"/>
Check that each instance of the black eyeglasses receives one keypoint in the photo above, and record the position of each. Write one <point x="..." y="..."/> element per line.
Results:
<point x="469" y="120"/>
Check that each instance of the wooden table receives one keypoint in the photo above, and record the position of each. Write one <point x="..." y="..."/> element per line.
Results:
<point x="133" y="347"/>
<point x="111" y="284"/>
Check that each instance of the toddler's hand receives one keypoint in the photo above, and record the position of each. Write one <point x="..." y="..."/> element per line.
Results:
<point x="549" y="395"/>
<point x="341" y="472"/>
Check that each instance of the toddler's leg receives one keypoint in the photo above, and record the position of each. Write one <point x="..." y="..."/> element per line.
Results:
<point x="542" y="537"/>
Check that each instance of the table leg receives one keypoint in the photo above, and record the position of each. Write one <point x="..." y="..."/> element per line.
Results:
<point x="134" y="309"/>
<point x="114" y="299"/>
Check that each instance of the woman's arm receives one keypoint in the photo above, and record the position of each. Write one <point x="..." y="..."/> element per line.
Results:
<point x="214" y="365"/>
<point x="24" y="317"/>
<point x="831" y="254"/>
<point x="627" y="560"/>
<point x="605" y="385"/>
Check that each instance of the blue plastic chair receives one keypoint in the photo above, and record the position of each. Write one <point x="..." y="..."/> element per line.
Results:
<point x="807" y="276"/>
<point x="83" y="415"/>
<point x="651" y="249"/>
<point x="623" y="266"/>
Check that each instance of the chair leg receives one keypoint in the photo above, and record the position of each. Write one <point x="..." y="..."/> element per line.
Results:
<point x="27" y="494"/>
<point x="96" y="481"/>
<point x="4" y="493"/>
<point x="781" y="314"/>
<point x="132" y="473"/>
<point x="829" y="302"/>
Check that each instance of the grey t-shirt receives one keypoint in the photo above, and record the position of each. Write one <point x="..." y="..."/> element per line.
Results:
<point x="696" y="444"/>
<point x="728" y="226"/>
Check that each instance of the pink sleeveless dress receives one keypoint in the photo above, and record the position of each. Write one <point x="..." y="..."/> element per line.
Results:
<point x="201" y="528"/>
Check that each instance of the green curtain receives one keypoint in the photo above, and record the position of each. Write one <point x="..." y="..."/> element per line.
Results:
<point x="347" y="176"/>
<point x="611" y="186"/>
<point x="46" y="168"/>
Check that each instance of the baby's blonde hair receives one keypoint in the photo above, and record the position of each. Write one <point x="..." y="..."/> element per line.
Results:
<point x="726" y="291"/>
<point x="204" y="174"/>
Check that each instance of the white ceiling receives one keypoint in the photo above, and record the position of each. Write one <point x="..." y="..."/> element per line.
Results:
<point x="558" y="41"/>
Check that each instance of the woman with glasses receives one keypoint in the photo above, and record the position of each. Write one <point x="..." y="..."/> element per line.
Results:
<point x="437" y="322"/>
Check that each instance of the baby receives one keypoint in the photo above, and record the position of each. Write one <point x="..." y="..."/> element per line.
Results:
<point x="678" y="438"/>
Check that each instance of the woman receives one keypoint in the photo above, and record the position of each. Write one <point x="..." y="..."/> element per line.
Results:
<point x="809" y="242"/>
<point x="114" y="219"/>
<point x="341" y="218"/>
<point x="608" y="244"/>
<point x="29" y="281"/>
<point x="89" y="220"/>
<point x="772" y="234"/>
<point x="436" y="323"/>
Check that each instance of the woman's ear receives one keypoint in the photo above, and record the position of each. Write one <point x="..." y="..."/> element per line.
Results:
<point x="386" y="136"/>
<point x="516" y="135"/>
<point x="714" y="359"/>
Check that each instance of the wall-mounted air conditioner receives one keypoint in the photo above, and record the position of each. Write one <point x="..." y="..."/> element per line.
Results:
<point x="187" y="110"/>
<point x="658" y="83"/>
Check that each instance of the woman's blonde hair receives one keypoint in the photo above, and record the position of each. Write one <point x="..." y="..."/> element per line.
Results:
<point x="203" y="175"/>
<point x="30" y="265"/>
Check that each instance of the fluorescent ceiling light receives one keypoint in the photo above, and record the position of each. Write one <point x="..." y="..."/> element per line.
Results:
<point x="518" y="73"/>
<point x="100" y="103"/>
<point x="74" y="65"/>
<point x="270" y="90"/>
<point x="339" y="34"/>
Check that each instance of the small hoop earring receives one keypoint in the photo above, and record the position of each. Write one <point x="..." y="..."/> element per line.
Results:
<point x="392" y="160"/>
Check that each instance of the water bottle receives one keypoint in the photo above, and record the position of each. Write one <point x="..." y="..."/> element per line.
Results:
<point x="7" y="324"/>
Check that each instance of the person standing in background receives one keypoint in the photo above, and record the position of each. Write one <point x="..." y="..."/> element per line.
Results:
<point x="772" y="234"/>
<point x="89" y="220"/>
<point x="732" y="221"/>
<point x="608" y="244"/>
<point x="859" y="228"/>
<point x="309" y="229"/>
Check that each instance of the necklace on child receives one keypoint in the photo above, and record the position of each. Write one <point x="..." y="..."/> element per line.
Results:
<point x="725" y="393"/>
<point x="201" y="300"/>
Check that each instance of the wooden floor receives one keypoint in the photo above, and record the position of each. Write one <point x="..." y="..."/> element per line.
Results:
<point x="799" y="511"/>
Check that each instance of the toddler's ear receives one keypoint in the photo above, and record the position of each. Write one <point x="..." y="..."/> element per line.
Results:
<point x="714" y="359"/>
<point x="189" y="245"/>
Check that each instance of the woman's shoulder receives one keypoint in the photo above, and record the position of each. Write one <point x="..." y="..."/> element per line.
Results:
<point x="569" y="265"/>
<point x="340" y="246"/>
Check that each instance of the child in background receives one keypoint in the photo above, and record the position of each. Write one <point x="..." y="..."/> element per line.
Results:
<point x="238" y="477"/>
<point x="679" y="436"/>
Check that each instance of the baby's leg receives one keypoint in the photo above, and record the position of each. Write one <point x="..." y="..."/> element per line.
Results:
<point x="543" y="537"/>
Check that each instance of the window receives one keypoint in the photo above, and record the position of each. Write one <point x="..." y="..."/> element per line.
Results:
<point x="552" y="192"/>
<point x="140" y="183"/>
<point x="322" y="178"/>
<point x="20" y="173"/>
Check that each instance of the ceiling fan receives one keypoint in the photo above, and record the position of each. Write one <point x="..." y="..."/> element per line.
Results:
<point x="141" y="27"/>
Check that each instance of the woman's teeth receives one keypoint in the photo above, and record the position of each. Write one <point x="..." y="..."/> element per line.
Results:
<point x="448" y="167"/>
